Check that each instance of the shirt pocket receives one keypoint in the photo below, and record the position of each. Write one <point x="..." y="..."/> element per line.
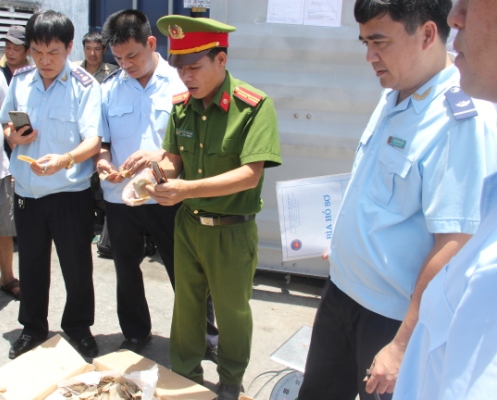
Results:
<point x="63" y="125"/>
<point x="162" y="112"/>
<point x="224" y="155"/>
<point x="121" y="124"/>
<point x="436" y="319"/>
<point x="389" y="181"/>
<point x="361" y="148"/>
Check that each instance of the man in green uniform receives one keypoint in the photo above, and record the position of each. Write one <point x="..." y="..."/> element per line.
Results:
<point x="222" y="133"/>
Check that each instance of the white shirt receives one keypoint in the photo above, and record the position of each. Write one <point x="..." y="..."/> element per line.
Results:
<point x="135" y="118"/>
<point x="65" y="114"/>
<point x="418" y="171"/>
<point x="452" y="354"/>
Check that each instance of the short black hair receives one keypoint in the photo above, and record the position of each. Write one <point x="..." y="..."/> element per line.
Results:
<point x="124" y="25"/>
<point x="412" y="13"/>
<point x="48" y="26"/>
<point x="215" y="51"/>
<point x="92" y="37"/>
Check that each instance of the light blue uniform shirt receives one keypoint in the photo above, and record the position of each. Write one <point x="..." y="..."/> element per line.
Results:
<point x="65" y="114"/>
<point x="135" y="118"/>
<point x="452" y="354"/>
<point x="418" y="171"/>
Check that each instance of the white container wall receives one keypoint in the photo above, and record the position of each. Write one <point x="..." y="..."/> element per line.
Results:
<point x="324" y="91"/>
<point x="17" y="12"/>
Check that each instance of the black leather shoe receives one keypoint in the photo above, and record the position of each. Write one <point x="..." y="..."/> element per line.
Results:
<point x="134" y="344"/>
<point x="23" y="344"/>
<point x="88" y="347"/>
<point x="211" y="354"/>
<point x="229" y="392"/>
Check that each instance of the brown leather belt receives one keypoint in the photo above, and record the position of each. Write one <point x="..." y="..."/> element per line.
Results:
<point x="225" y="219"/>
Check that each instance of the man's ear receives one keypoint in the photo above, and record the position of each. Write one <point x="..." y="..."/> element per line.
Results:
<point x="152" y="42"/>
<point x="430" y="34"/>
<point x="69" y="47"/>
<point x="222" y="58"/>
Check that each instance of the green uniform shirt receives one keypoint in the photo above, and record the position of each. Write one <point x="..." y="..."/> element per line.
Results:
<point x="226" y="135"/>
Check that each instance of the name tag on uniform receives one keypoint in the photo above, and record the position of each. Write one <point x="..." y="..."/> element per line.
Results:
<point x="396" y="142"/>
<point x="184" y="133"/>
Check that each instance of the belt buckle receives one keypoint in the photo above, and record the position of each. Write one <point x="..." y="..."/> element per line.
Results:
<point x="209" y="221"/>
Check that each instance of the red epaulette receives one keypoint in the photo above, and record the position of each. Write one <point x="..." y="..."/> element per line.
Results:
<point x="181" y="98"/>
<point x="251" y="98"/>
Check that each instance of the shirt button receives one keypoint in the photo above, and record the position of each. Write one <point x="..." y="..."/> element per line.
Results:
<point x="182" y="148"/>
<point x="199" y="171"/>
<point x="201" y="145"/>
<point x="195" y="212"/>
<point x="204" y="117"/>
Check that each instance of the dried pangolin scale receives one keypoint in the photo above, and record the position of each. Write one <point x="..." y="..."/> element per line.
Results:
<point x="108" y="389"/>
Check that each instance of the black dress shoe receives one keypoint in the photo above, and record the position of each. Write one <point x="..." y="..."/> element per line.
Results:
<point x="211" y="354"/>
<point x="134" y="344"/>
<point x="229" y="392"/>
<point x="88" y="347"/>
<point x="23" y="344"/>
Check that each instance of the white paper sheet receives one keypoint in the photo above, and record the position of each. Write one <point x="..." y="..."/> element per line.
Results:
<point x="305" y="12"/>
<point x="307" y="212"/>
<point x="323" y="13"/>
<point x="197" y="3"/>
<point x="285" y="11"/>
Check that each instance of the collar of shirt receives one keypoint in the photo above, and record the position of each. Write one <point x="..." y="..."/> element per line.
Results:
<point x="63" y="77"/>
<point x="226" y="87"/>
<point x="101" y="68"/>
<point x="163" y="70"/>
<point x="439" y="84"/>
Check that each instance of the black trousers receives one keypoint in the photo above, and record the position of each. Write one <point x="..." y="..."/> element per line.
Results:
<point x="67" y="219"/>
<point x="126" y="226"/>
<point x="345" y="339"/>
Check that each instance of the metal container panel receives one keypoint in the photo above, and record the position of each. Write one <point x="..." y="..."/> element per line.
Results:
<point x="324" y="92"/>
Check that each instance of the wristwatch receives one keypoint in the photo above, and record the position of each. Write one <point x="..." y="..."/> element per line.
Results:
<point x="70" y="164"/>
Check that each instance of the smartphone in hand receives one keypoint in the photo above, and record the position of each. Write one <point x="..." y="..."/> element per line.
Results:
<point x="20" y="119"/>
<point x="158" y="173"/>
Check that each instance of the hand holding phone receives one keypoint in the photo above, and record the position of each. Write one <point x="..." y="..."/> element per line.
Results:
<point x="158" y="173"/>
<point x="20" y="119"/>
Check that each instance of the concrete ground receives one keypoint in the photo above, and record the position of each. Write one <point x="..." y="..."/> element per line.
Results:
<point x="280" y="307"/>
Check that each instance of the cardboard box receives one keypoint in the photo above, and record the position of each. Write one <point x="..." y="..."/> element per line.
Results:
<point x="35" y="374"/>
<point x="170" y="385"/>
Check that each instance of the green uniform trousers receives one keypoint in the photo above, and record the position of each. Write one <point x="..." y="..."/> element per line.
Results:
<point x="220" y="260"/>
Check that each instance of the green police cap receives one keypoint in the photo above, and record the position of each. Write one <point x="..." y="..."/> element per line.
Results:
<point x="192" y="38"/>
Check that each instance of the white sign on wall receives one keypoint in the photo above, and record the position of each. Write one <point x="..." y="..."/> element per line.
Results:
<point x="305" y="12"/>
<point x="197" y="3"/>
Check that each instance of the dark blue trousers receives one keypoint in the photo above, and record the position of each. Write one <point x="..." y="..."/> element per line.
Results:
<point x="345" y="339"/>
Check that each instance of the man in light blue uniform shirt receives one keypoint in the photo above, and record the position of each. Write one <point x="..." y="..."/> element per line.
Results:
<point x="452" y="354"/>
<point x="137" y="100"/>
<point x="52" y="195"/>
<point x="412" y="202"/>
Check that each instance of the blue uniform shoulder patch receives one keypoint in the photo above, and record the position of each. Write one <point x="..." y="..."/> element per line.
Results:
<point x="82" y="76"/>
<point x="25" y="69"/>
<point x="112" y="75"/>
<point x="460" y="103"/>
